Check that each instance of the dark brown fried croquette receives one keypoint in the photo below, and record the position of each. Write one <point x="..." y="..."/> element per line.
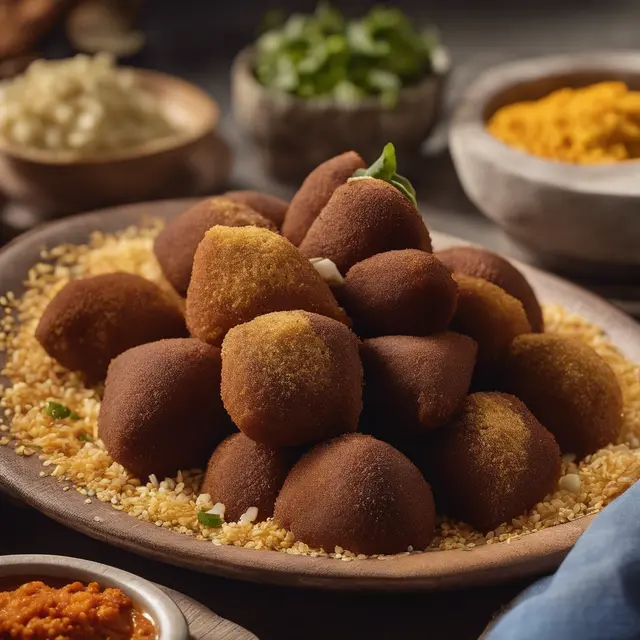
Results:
<point x="265" y="204"/>
<point x="405" y="292"/>
<point x="414" y="384"/>
<point x="491" y="317"/>
<point x="242" y="474"/>
<point x="570" y="389"/>
<point x="492" y="463"/>
<point x="480" y="263"/>
<point x="292" y="378"/>
<point x="162" y="410"/>
<point x="358" y="493"/>
<point x="243" y="272"/>
<point x="362" y="218"/>
<point x="176" y="244"/>
<point x="315" y="192"/>
<point x="92" y="320"/>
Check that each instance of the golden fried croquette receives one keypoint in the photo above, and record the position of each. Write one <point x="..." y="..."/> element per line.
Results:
<point x="92" y="320"/>
<point x="242" y="474"/>
<point x="358" y="493"/>
<point x="491" y="317"/>
<point x="291" y="378"/>
<point x="570" y="389"/>
<point x="404" y="292"/>
<point x="176" y="244"/>
<point x="269" y="206"/>
<point x="162" y="410"/>
<point x="315" y="192"/>
<point x="480" y="263"/>
<point x="243" y="272"/>
<point x="492" y="463"/>
<point x="414" y="384"/>
<point x="364" y="217"/>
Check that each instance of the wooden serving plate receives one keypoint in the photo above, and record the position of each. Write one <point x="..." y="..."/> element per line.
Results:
<point x="203" y="623"/>
<point x="531" y="555"/>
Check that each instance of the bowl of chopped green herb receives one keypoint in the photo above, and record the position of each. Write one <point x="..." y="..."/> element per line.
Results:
<point x="313" y="86"/>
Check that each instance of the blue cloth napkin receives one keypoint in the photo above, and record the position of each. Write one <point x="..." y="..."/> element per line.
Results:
<point x="595" y="594"/>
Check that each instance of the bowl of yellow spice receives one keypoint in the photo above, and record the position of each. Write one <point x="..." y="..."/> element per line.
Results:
<point x="549" y="149"/>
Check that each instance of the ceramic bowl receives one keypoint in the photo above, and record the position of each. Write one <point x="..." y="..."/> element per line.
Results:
<point x="583" y="218"/>
<point x="294" y="135"/>
<point x="166" y="615"/>
<point x="61" y="183"/>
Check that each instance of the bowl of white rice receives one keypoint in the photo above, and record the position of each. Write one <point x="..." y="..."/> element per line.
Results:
<point x="81" y="133"/>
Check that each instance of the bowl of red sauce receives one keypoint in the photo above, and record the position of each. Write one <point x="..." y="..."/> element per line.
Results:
<point x="43" y="596"/>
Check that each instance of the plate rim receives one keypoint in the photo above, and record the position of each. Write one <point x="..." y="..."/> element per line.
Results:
<point x="530" y="555"/>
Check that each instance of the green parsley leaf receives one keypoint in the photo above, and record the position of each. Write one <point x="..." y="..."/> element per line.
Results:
<point x="384" y="168"/>
<point x="59" y="411"/>
<point x="209" y="519"/>
<point x="83" y="436"/>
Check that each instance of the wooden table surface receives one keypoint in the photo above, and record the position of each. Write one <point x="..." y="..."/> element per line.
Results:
<point x="273" y="612"/>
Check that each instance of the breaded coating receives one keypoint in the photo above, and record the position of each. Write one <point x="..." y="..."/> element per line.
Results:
<point x="570" y="389"/>
<point x="404" y="292"/>
<point x="244" y="272"/>
<point x="364" y="217"/>
<point x="292" y="378"/>
<point x="492" y="463"/>
<point x="242" y="473"/>
<point x="492" y="318"/>
<point x="315" y="192"/>
<point x="162" y="411"/>
<point x="414" y="384"/>
<point x="176" y="244"/>
<point x="271" y="207"/>
<point x="480" y="263"/>
<point x="93" y="320"/>
<point x="360" y="494"/>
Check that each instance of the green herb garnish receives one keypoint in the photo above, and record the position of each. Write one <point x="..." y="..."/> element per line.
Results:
<point x="384" y="168"/>
<point x="59" y="411"/>
<point x="83" y="436"/>
<point x="324" y="54"/>
<point x="209" y="519"/>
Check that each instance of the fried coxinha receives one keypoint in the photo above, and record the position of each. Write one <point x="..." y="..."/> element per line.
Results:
<point x="263" y="374"/>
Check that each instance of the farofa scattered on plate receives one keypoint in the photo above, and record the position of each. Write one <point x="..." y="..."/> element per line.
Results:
<point x="71" y="451"/>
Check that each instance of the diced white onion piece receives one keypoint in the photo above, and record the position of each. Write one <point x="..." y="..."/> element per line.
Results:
<point x="250" y="515"/>
<point x="570" y="482"/>
<point x="327" y="270"/>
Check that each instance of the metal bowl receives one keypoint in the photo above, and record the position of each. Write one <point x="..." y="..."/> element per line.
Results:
<point x="165" y="614"/>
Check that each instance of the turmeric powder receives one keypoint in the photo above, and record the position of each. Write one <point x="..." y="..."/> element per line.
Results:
<point x="591" y="125"/>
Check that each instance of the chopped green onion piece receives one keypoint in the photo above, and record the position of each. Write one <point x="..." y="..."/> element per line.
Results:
<point x="209" y="519"/>
<point x="318" y="54"/>
<point x="83" y="436"/>
<point x="59" y="411"/>
<point x="384" y="168"/>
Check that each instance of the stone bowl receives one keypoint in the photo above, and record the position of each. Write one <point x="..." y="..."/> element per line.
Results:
<point x="294" y="135"/>
<point x="579" y="218"/>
